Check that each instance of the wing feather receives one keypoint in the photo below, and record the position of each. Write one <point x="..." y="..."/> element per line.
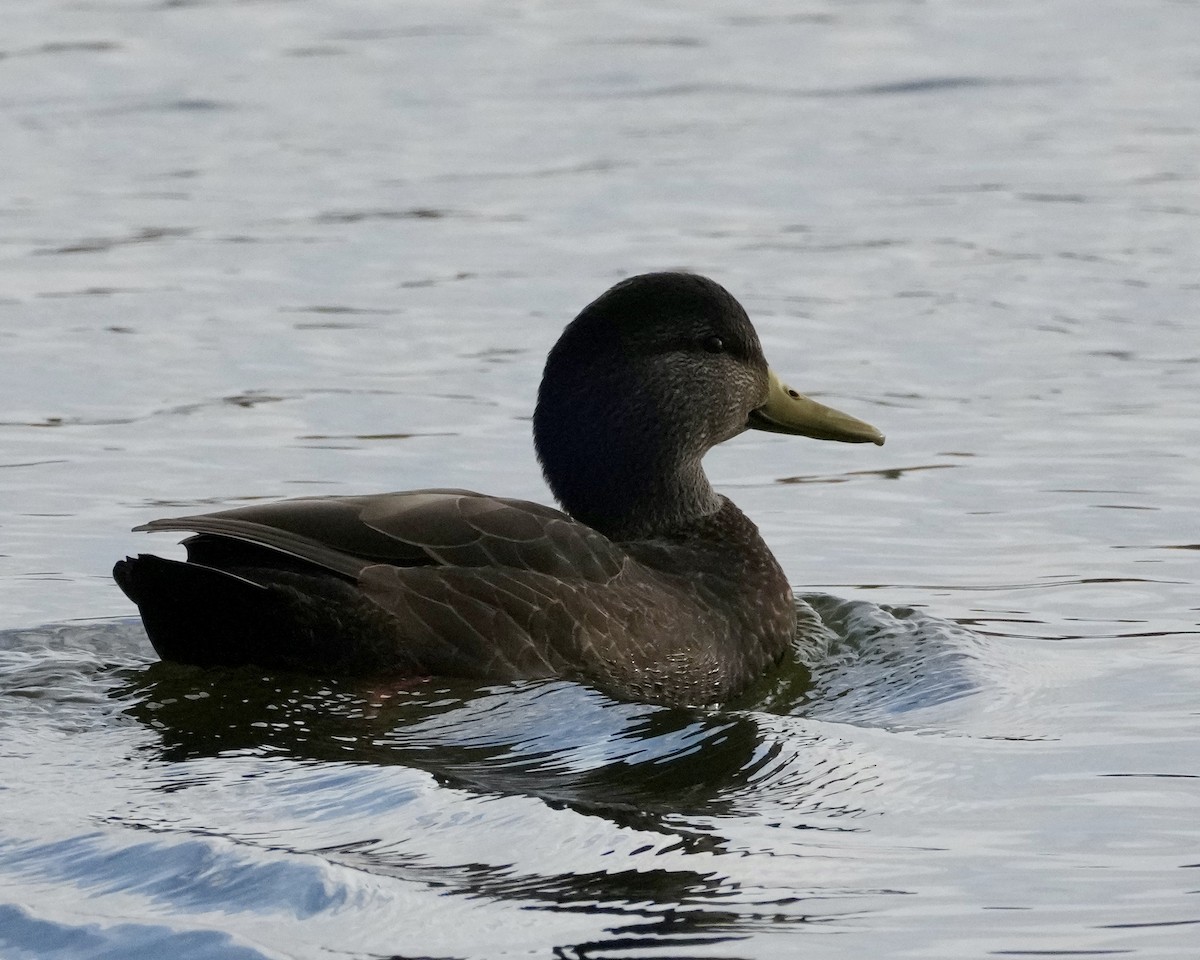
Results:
<point x="441" y="527"/>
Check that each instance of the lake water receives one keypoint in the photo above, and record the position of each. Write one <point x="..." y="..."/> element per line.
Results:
<point x="265" y="249"/>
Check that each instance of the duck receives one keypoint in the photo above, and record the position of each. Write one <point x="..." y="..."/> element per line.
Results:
<point x="646" y="584"/>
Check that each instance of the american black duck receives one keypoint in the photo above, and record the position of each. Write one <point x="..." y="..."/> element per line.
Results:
<point x="650" y="585"/>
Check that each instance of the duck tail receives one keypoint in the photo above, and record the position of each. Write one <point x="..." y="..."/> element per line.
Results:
<point x="200" y="615"/>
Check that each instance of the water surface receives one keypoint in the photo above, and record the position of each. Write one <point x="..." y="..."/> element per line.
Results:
<point x="254" y="250"/>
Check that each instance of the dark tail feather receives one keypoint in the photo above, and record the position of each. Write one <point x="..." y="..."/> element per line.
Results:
<point x="309" y="622"/>
<point x="203" y="616"/>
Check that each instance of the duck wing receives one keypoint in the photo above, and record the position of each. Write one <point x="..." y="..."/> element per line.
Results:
<point x="442" y="582"/>
<point x="435" y="527"/>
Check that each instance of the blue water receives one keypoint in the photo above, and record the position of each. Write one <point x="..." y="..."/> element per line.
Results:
<point x="255" y="250"/>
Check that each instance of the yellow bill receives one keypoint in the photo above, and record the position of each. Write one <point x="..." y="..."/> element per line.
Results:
<point x="787" y="411"/>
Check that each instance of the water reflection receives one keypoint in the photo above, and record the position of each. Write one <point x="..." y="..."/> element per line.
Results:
<point x="562" y="742"/>
<point x="664" y="831"/>
<point x="574" y="747"/>
<point x="663" y="779"/>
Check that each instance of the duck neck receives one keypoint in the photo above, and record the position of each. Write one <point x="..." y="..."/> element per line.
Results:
<point x="631" y="501"/>
<point x="617" y="447"/>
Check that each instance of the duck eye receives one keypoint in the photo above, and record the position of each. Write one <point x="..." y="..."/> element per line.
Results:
<point x="713" y="344"/>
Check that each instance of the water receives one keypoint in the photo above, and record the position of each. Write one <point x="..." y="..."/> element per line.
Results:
<point x="268" y="249"/>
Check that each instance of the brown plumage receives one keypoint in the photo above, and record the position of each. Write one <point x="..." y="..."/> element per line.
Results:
<point x="651" y="585"/>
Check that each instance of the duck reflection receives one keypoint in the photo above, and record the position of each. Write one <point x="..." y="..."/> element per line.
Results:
<point x="558" y="740"/>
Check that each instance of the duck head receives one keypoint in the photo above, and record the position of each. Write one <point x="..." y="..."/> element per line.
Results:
<point x="646" y="380"/>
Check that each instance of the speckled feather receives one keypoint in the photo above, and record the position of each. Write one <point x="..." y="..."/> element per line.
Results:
<point x="458" y="583"/>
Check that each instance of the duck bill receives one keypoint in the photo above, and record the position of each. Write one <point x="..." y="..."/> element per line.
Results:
<point x="787" y="411"/>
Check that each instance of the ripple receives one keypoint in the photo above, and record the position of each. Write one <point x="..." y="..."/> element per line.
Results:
<point x="192" y="874"/>
<point x="102" y="244"/>
<point x="31" y="936"/>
